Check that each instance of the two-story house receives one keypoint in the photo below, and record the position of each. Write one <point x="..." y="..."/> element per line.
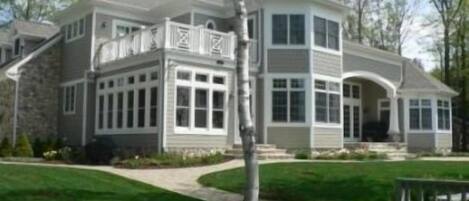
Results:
<point x="161" y="75"/>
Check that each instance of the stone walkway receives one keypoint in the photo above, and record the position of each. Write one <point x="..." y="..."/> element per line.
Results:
<point x="182" y="180"/>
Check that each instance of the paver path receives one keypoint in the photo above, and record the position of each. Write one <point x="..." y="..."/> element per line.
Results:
<point x="182" y="180"/>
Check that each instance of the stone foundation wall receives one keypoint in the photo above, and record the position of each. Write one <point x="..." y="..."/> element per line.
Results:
<point x="38" y="95"/>
<point x="7" y="102"/>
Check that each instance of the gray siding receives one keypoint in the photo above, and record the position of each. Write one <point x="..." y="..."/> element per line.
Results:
<point x="421" y="142"/>
<point x="327" y="64"/>
<point x="386" y="70"/>
<point x="132" y="68"/>
<point x="70" y="126"/>
<point x="289" y="137"/>
<point x="77" y="54"/>
<point x="327" y="138"/>
<point x="174" y="140"/>
<point x="444" y="140"/>
<point x="184" y="18"/>
<point x="91" y="111"/>
<point x="288" y="61"/>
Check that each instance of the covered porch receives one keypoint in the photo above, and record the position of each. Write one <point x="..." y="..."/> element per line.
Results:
<point x="372" y="111"/>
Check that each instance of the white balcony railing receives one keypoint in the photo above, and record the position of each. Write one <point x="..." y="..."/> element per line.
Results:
<point x="170" y="35"/>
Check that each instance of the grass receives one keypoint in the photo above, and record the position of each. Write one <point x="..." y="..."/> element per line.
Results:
<point x="31" y="183"/>
<point x="366" y="181"/>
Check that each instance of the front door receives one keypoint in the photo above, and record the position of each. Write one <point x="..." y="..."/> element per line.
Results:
<point x="352" y="112"/>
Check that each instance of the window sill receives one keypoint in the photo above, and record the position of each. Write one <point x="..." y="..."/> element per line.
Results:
<point x="288" y="124"/>
<point x="327" y="50"/>
<point x="136" y="131"/>
<point x="444" y="132"/>
<point x="421" y="131"/>
<point x="196" y="131"/>
<point x="327" y="125"/>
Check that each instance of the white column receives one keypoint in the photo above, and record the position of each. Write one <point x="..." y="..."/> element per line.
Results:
<point x="393" y="118"/>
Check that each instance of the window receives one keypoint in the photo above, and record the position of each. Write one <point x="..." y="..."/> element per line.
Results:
<point x="183" y="106"/>
<point x="326" y="33"/>
<point x="200" y="102"/>
<point x="210" y="24"/>
<point x="18" y="49"/>
<point x="288" y="29"/>
<point x="327" y="101"/>
<point x="69" y="99"/>
<point x="288" y="100"/>
<point x="444" y="117"/>
<point x="121" y="28"/>
<point x="127" y="106"/>
<point x="420" y="114"/>
<point x="251" y="28"/>
<point x="75" y="30"/>
<point x="384" y="111"/>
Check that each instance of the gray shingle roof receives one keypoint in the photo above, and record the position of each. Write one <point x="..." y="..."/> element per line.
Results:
<point x="416" y="79"/>
<point x="34" y="28"/>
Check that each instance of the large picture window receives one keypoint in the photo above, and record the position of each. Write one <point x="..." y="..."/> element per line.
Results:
<point x="444" y="117"/>
<point x="288" y="100"/>
<point x="200" y="102"/>
<point x="288" y="29"/>
<point x="128" y="103"/>
<point x="420" y="114"/>
<point x="327" y="101"/>
<point x="326" y="33"/>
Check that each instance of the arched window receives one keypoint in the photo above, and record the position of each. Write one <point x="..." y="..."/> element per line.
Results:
<point x="210" y="24"/>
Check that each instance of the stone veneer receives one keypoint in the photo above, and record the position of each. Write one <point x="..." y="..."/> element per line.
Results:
<point x="38" y="95"/>
<point x="7" y="101"/>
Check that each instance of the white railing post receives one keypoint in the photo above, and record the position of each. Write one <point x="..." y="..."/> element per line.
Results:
<point x="167" y="33"/>
<point x="202" y="42"/>
<point x="233" y="45"/>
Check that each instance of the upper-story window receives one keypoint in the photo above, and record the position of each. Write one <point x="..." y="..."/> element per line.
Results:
<point x="288" y="29"/>
<point x="18" y="47"/>
<point x="122" y="28"/>
<point x="211" y="25"/>
<point x="75" y="30"/>
<point x="326" y="33"/>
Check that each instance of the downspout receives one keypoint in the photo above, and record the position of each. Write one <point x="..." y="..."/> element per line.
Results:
<point x="15" y="112"/>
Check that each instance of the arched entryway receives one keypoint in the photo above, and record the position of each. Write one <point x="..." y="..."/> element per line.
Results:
<point x="369" y="102"/>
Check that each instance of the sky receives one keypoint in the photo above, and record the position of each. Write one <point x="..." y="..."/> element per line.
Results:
<point x="420" y="36"/>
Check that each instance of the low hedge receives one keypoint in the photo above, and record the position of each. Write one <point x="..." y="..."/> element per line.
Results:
<point x="342" y="155"/>
<point x="169" y="161"/>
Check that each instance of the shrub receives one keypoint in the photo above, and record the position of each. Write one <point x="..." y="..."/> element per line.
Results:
<point x="6" y="150"/>
<point x="23" y="147"/>
<point x="169" y="161"/>
<point x="59" y="144"/>
<point x="48" y="145"/>
<point x="50" y="155"/>
<point x="351" y="155"/>
<point x="38" y="147"/>
<point x="100" y="151"/>
<point x="302" y="156"/>
<point x="64" y="154"/>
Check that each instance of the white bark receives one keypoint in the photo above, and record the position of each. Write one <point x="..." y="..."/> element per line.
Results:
<point x="246" y="127"/>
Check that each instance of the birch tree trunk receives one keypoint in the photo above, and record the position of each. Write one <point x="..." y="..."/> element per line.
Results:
<point x="246" y="127"/>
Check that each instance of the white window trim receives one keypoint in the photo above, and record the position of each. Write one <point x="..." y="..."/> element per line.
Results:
<point x="328" y="79"/>
<point x="288" y="89"/>
<point x="210" y="87"/>
<point x="381" y="108"/>
<point x="116" y="23"/>
<point x="421" y="130"/>
<point x="73" y="101"/>
<point x="78" y="36"/>
<point x="326" y="49"/>
<point x="288" y="44"/>
<point x="147" y="85"/>
<point x="445" y="131"/>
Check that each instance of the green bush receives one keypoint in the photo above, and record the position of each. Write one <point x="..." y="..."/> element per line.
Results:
<point x="38" y="148"/>
<point x="6" y="150"/>
<point x="169" y="161"/>
<point x="302" y="156"/>
<point x="23" y="147"/>
<point x="353" y="155"/>
<point x="64" y="154"/>
<point x="48" y="145"/>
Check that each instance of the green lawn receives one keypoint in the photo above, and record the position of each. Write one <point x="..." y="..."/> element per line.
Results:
<point x="30" y="183"/>
<point x="368" y="181"/>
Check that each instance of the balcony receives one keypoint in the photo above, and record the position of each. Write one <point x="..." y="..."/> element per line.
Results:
<point x="171" y="36"/>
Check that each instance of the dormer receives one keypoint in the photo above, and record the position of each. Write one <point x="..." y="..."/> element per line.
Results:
<point x="26" y="36"/>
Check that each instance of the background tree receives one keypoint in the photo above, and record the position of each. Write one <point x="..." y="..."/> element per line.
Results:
<point x="246" y="125"/>
<point x="31" y="10"/>
<point x="354" y="25"/>
<point x="447" y="9"/>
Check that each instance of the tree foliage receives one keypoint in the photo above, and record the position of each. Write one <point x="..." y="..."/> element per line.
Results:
<point x="31" y="10"/>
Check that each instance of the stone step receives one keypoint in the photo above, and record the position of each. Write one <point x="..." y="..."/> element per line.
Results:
<point x="259" y="151"/>
<point x="259" y="146"/>
<point x="277" y="156"/>
<point x="264" y="152"/>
